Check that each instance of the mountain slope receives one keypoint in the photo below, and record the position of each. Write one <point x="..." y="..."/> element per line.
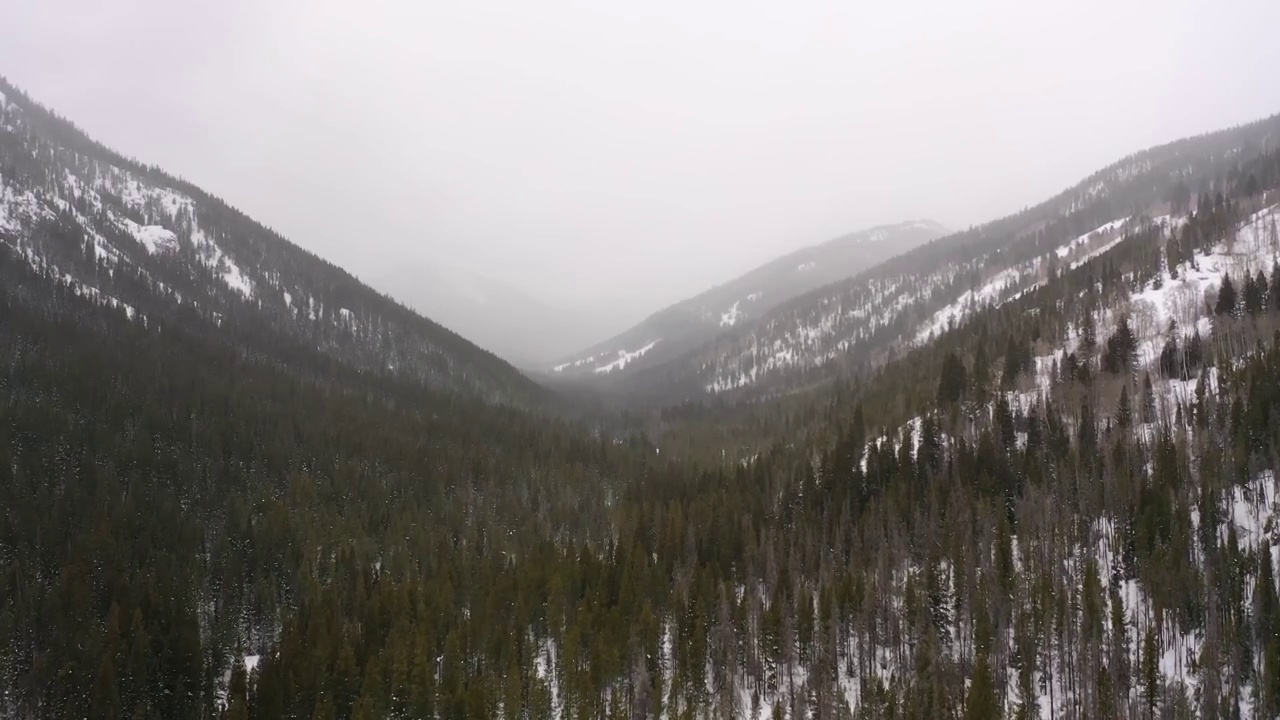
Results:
<point x="135" y="238"/>
<point x="1056" y="498"/>
<point x="693" y="323"/>
<point x="903" y="301"/>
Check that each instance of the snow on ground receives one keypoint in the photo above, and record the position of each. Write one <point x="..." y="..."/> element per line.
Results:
<point x="1180" y="294"/>
<point x="19" y="208"/>
<point x="731" y="317"/>
<point x="1095" y="252"/>
<point x="93" y="293"/>
<point x="213" y="257"/>
<point x="546" y="665"/>
<point x="154" y="238"/>
<point x="250" y="664"/>
<point x="1011" y="283"/>
<point x="1090" y="236"/>
<point x="574" y="363"/>
<point x="620" y="361"/>
<point x="1250" y="510"/>
<point x="990" y="293"/>
<point x="625" y="358"/>
<point x="811" y="344"/>
<point x="806" y="267"/>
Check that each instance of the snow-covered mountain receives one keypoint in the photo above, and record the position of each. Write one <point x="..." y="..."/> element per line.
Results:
<point x="693" y="323"/>
<point x="889" y="308"/>
<point x="132" y="237"/>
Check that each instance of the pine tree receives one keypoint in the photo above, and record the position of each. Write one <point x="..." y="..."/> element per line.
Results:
<point x="1124" y="413"/>
<point x="1255" y="294"/>
<point x="1227" y="301"/>
<point x="1150" y="671"/>
<point x="1088" y="339"/>
<point x="953" y="381"/>
<point x="1013" y="358"/>
<point x="982" y="703"/>
<point x="980" y="378"/>
<point x="1273" y="293"/>
<point x="238" y="690"/>
<point x="1267" y="612"/>
<point x="1122" y="350"/>
<point x="1171" y="356"/>
<point x="106" y="694"/>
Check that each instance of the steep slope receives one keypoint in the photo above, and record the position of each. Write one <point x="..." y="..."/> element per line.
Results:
<point x="887" y="309"/>
<point x="1118" y="418"/>
<point x="137" y="239"/>
<point x="693" y="323"/>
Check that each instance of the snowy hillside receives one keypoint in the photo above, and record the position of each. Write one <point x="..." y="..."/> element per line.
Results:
<point x="694" y="323"/>
<point x="134" y="238"/>
<point x="1170" y="652"/>
<point x="913" y="297"/>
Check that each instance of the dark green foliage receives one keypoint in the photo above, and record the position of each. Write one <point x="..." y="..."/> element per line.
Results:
<point x="1227" y="299"/>
<point x="953" y="381"/>
<point x="1255" y="294"/>
<point x="1121" y="356"/>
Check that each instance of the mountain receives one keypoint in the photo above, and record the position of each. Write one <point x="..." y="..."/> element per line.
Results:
<point x="1046" y="489"/>
<point x="693" y="323"/>
<point x="885" y="310"/>
<point x="139" y="240"/>
<point x="526" y="331"/>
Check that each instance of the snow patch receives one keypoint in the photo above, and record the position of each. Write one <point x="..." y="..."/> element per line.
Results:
<point x="731" y="317"/>
<point x="574" y="363"/>
<point x="1093" y="234"/>
<point x="154" y="238"/>
<point x="625" y="358"/>
<point x="972" y="300"/>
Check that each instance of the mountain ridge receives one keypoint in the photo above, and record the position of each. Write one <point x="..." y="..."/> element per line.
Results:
<point x="695" y="321"/>
<point x="841" y="327"/>
<point x="152" y="237"/>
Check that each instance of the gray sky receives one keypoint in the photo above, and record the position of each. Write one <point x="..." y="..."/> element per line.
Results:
<point x="621" y="156"/>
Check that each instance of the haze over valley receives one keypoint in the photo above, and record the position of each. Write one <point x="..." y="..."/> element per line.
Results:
<point x="581" y="361"/>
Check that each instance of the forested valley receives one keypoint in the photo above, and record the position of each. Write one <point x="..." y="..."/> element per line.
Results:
<point x="1062" y="506"/>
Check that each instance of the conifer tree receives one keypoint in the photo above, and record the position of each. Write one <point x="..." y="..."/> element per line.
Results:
<point x="1255" y="294"/>
<point x="953" y="381"/>
<point x="1273" y="292"/>
<point x="1226" y="305"/>
<point x="982" y="703"/>
<point x="1124" y="413"/>
<point x="1150" y="671"/>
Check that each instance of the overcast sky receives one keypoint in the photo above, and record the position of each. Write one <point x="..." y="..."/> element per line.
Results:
<point x="624" y="155"/>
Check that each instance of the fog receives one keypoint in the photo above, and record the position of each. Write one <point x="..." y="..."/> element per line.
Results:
<point x="573" y="166"/>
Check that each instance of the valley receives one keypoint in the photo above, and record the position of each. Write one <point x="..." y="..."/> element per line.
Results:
<point x="1021" y="470"/>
